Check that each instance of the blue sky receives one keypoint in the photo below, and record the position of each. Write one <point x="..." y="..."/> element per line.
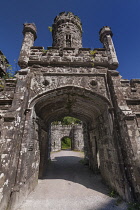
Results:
<point x="123" y="16"/>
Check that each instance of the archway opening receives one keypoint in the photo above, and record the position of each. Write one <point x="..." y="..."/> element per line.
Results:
<point x="66" y="143"/>
<point x="67" y="133"/>
<point x="94" y="111"/>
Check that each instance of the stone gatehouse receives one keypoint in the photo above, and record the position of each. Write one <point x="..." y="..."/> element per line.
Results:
<point x="74" y="132"/>
<point x="68" y="80"/>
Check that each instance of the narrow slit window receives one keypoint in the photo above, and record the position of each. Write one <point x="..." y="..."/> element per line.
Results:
<point x="68" y="40"/>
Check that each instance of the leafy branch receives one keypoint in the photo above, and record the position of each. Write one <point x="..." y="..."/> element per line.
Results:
<point x="50" y="28"/>
<point x="93" y="52"/>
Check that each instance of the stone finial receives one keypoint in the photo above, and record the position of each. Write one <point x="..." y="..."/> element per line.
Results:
<point x="106" y="38"/>
<point x="67" y="31"/>
<point x="30" y="27"/>
<point x="29" y="32"/>
<point x="106" y="30"/>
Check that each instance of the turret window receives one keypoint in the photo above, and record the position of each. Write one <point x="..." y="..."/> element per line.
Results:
<point x="68" y="40"/>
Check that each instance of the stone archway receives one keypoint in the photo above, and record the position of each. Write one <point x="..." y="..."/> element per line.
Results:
<point x="99" y="130"/>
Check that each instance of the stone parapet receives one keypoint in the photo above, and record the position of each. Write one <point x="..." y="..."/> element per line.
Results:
<point x="65" y="17"/>
<point x="68" y="56"/>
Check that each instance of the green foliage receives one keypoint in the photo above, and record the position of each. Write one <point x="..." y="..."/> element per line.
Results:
<point x="50" y="28"/>
<point x="113" y="193"/>
<point x="3" y="58"/>
<point x="93" y="52"/>
<point x="55" y="122"/>
<point x="69" y="120"/>
<point x="44" y="51"/>
<point x="9" y="74"/>
<point x="1" y="86"/>
<point x="66" y="143"/>
<point x="133" y="206"/>
<point x="9" y="68"/>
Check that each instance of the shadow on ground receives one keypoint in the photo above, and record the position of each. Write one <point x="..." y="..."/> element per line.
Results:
<point x="72" y="169"/>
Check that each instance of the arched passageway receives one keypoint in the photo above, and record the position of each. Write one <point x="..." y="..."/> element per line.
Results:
<point x="94" y="111"/>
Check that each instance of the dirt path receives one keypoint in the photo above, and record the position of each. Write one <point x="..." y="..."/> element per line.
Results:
<point x="70" y="185"/>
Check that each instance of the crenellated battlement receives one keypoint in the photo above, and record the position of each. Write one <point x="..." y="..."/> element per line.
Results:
<point x="67" y="17"/>
<point x="67" y="31"/>
<point x="54" y="56"/>
<point x="59" y="126"/>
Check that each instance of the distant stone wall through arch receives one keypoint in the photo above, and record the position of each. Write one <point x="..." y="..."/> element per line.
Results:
<point x="75" y="132"/>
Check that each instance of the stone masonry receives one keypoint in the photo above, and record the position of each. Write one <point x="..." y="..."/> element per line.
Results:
<point x="3" y="64"/>
<point x="68" y="80"/>
<point x="75" y="132"/>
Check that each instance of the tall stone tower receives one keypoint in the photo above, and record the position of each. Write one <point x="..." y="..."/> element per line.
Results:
<point x="68" y="80"/>
<point x="67" y="31"/>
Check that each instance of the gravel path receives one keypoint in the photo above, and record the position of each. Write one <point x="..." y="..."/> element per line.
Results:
<point x="70" y="185"/>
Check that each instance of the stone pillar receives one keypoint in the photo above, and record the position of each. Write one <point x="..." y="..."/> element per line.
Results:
<point x="106" y="38"/>
<point x="29" y="32"/>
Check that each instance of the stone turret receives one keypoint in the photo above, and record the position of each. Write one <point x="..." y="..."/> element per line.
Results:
<point x="67" y="31"/>
<point x="29" y="32"/>
<point x="106" y="38"/>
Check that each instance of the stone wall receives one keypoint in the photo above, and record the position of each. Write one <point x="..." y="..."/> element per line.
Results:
<point x="75" y="132"/>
